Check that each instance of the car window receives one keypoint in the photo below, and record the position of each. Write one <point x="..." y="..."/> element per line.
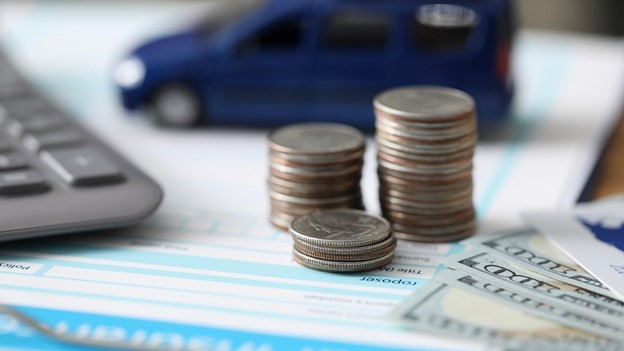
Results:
<point x="282" y="35"/>
<point x="224" y="13"/>
<point x="442" y="27"/>
<point x="356" y="30"/>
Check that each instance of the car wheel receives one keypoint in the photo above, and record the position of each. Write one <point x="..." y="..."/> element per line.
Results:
<point x="175" y="105"/>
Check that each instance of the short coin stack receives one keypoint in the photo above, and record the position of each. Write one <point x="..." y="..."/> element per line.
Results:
<point x="426" y="138"/>
<point x="342" y="240"/>
<point x="314" y="166"/>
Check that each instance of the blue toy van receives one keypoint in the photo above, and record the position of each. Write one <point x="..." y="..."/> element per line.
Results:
<point x="275" y="62"/>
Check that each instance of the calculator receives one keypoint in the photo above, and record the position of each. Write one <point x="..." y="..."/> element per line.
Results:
<point x="56" y="177"/>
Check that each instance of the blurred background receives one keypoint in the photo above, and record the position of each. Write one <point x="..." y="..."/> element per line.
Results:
<point x="592" y="16"/>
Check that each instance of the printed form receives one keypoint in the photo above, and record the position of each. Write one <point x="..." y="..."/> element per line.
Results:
<point x="208" y="272"/>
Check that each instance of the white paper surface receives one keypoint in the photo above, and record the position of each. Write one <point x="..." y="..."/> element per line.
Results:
<point x="600" y="252"/>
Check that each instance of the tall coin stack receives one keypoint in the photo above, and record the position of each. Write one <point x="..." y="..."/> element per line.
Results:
<point x="426" y="138"/>
<point x="314" y="166"/>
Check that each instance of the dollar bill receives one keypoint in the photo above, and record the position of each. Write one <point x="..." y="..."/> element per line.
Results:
<point x="438" y="308"/>
<point x="525" y="302"/>
<point x="516" y="278"/>
<point x="531" y="250"/>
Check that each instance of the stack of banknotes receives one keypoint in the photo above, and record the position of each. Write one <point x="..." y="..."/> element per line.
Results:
<point x="516" y="291"/>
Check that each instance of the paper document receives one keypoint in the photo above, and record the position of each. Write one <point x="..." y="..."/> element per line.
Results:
<point x="208" y="271"/>
<point x="592" y="235"/>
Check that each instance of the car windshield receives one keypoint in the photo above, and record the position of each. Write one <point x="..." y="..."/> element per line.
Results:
<point x="225" y="12"/>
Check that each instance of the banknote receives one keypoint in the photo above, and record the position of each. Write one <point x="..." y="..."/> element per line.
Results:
<point x="525" y="302"/>
<point x="531" y="250"/>
<point x="438" y="308"/>
<point x="516" y="278"/>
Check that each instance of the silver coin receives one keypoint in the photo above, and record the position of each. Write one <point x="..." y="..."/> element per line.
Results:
<point x="449" y="145"/>
<point x="296" y="211"/>
<point x="408" y="146"/>
<point x="312" y="185"/>
<point x="427" y="196"/>
<point x="422" y="209"/>
<point x="312" y="192"/>
<point x="423" y="136"/>
<point x="435" y="184"/>
<point x="459" y="202"/>
<point x="357" y="250"/>
<point x="316" y="159"/>
<point x="320" y="201"/>
<point x="425" y="189"/>
<point x="326" y="174"/>
<point x="280" y="220"/>
<point x="436" y="238"/>
<point x="391" y="121"/>
<point x="426" y="168"/>
<point x="340" y="228"/>
<point x="408" y="219"/>
<point x="425" y="103"/>
<point x="349" y="256"/>
<point x="435" y="230"/>
<point x="338" y="266"/>
<point x="316" y="138"/>
<point x="436" y="158"/>
<point x="423" y="177"/>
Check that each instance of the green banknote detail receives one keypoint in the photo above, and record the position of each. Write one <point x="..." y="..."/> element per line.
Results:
<point x="524" y="302"/>
<point x="440" y="309"/>
<point x="534" y="252"/>
<point x="514" y="277"/>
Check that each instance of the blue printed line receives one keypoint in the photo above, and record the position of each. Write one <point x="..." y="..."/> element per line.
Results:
<point x="201" y="307"/>
<point x="202" y="277"/>
<point x="195" y="262"/>
<point x="234" y="339"/>
<point x="543" y="99"/>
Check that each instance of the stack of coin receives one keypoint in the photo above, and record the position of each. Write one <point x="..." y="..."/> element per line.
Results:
<point x="314" y="166"/>
<point x="426" y="138"/>
<point x="342" y="240"/>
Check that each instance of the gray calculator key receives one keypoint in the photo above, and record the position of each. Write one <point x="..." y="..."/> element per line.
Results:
<point x="41" y="121"/>
<point x="19" y="182"/>
<point x="24" y="105"/>
<point x="53" y="138"/>
<point x="4" y="144"/>
<point x="37" y="123"/>
<point x="82" y="166"/>
<point x="11" y="160"/>
<point x="4" y="116"/>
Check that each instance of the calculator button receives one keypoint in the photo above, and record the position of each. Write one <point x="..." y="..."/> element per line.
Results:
<point x="37" y="123"/>
<point x="52" y="138"/>
<point x="24" y="105"/>
<point x="84" y="166"/>
<point x="19" y="182"/>
<point x="9" y="161"/>
<point x="11" y="90"/>
<point x="4" y="116"/>
<point x="15" y="129"/>
<point x="4" y="144"/>
<point x="41" y="121"/>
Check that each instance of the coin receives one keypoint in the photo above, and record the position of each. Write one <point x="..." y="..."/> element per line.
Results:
<point x="424" y="104"/>
<point x="316" y="138"/>
<point x="434" y="238"/>
<point x="350" y="256"/>
<point x="341" y="266"/>
<point x="426" y="138"/>
<point x="356" y="250"/>
<point x="340" y="228"/>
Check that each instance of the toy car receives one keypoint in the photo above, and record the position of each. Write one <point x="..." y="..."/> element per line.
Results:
<point x="276" y="62"/>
